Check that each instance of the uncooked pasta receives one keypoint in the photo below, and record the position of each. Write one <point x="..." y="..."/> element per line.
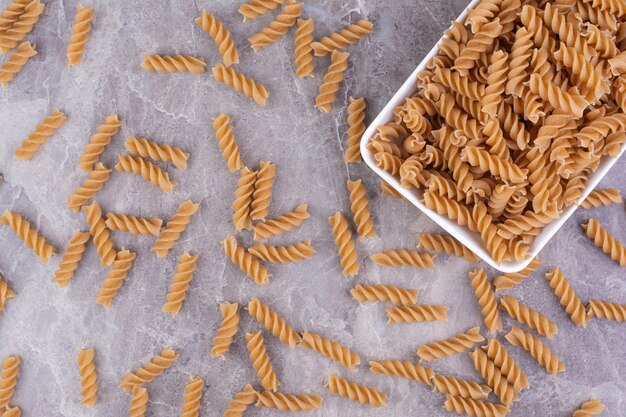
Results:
<point x="227" y="330"/>
<point x="342" y="38"/>
<point x="404" y="369"/>
<point x="150" y="370"/>
<point x="80" y="34"/>
<point x="303" y="51"/>
<point x="157" y="151"/>
<point x="177" y="291"/>
<point x="330" y="85"/>
<point x="330" y="349"/>
<point x="345" y="244"/>
<point x="16" y="62"/>
<point x="89" y="377"/>
<point x="356" y="392"/>
<point x="23" y="230"/>
<point x="211" y="25"/>
<point x="240" y="83"/>
<point x="173" y="63"/>
<point x="40" y="135"/>
<point x="90" y="186"/>
<point x="245" y="261"/>
<point x="281" y="224"/>
<point x="71" y="258"/>
<point x="277" y="27"/>
<point x="174" y="228"/>
<point x="115" y="278"/>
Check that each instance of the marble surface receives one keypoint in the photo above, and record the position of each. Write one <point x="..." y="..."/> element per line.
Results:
<point x="46" y="325"/>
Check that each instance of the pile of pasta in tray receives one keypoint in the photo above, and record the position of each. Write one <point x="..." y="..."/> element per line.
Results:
<point x="517" y="109"/>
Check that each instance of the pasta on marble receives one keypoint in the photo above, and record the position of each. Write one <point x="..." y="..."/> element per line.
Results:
<point x="149" y="371"/>
<point x="472" y="407"/>
<point x="192" y="397"/>
<point x="460" y="387"/>
<point x="604" y="197"/>
<point x="133" y="224"/>
<point x="240" y="83"/>
<point x="71" y="258"/>
<point x="138" y="402"/>
<point x="404" y="257"/>
<point x="40" y="135"/>
<point x="243" y="399"/>
<point x="448" y="347"/>
<point x="356" y="128"/>
<point x="80" y="34"/>
<point x="88" y="189"/>
<point x="157" y="151"/>
<point x="211" y="25"/>
<point x="589" y="408"/>
<point x="384" y="293"/>
<point x="342" y="38"/>
<point x="509" y="280"/>
<point x="345" y="244"/>
<point x="446" y="244"/>
<point x="360" y="211"/>
<point x="273" y="322"/>
<point x="226" y="142"/>
<point x="606" y="310"/>
<point x="177" y="291"/>
<point x="262" y="195"/>
<point x="227" y="330"/>
<point x="100" y="233"/>
<point x="416" y="313"/>
<point x="173" y="63"/>
<point x="567" y="296"/>
<point x="355" y="392"/>
<point x="405" y="369"/>
<point x="528" y="316"/>
<point x="261" y="361"/>
<point x="486" y="300"/>
<point x="18" y="59"/>
<point x="536" y="348"/>
<point x="115" y="278"/>
<point x="174" y="228"/>
<point x="508" y="368"/>
<point x="21" y="27"/>
<point x="5" y="293"/>
<point x="605" y="241"/>
<point x="303" y="51"/>
<point x="288" y="402"/>
<point x="89" y="377"/>
<point x="98" y="142"/>
<point x="255" y="8"/>
<point x="23" y="230"/>
<point x="493" y="376"/>
<point x="145" y="169"/>
<point x="330" y="349"/>
<point x="282" y="254"/>
<point x="277" y="27"/>
<point x="9" y="374"/>
<point x="242" y="204"/>
<point x="281" y="224"/>
<point x="332" y="79"/>
<point x="245" y="261"/>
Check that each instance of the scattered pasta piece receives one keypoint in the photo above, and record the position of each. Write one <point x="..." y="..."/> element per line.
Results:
<point x="403" y="257"/>
<point x="23" y="230"/>
<point x="604" y="197"/>
<point x="493" y="376"/>
<point x="334" y="76"/>
<point x="508" y="281"/>
<point x="589" y="408"/>
<point x="241" y="83"/>
<point x="534" y="346"/>
<point x="221" y="36"/>
<point x="243" y="199"/>
<point x="416" y="313"/>
<point x="226" y="142"/>
<point x="343" y="38"/>
<point x="80" y="34"/>
<point x="99" y="233"/>
<point x="330" y="349"/>
<point x="138" y="402"/>
<point x="448" y="347"/>
<point x="98" y="142"/>
<point x="273" y="322"/>
<point x="283" y="254"/>
<point x="474" y="408"/>
<point x="22" y="26"/>
<point x="446" y="244"/>
<point x="288" y="402"/>
<point x="405" y="369"/>
<point x="134" y="225"/>
<point x="89" y="377"/>
<point x="277" y="27"/>
<point x="262" y="196"/>
<point x="256" y="8"/>
<point x="145" y="169"/>
<point x="192" y="397"/>
<point x="460" y="387"/>
<point x="567" y="297"/>
<point x="241" y="402"/>
<point x="303" y="50"/>
<point x="88" y="189"/>
<point x="180" y="283"/>
<point x="151" y="370"/>
<point x="261" y="361"/>
<point x="528" y="316"/>
<point x="9" y="374"/>
<point x="245" y="261"/>
<point x="227" y="331"/>
<point x="345" y="244"/>
<point x="173" y="63"/>
<point x="157" y="152"/>
<point x="384" y="293"/>
<point x="355" y="392"/>
<point x="281" y="224"/>
<point x="606" y="310"/>
<point x="115" y="278"/>
<point x="486" y="300"/>
<point x="508" y="368"/>
<point x="16" y="61"/>
<point x="174" y="228"/>
<point x="40" y="135"/>
<point x="356" y="128"/>
<point x="71" y="258"/>
<point x="605" y="241"/>
<point x="5" y="293"/>
<point x="360" y="211"/>
<point x="11" y="14"/>
<point x="14" y="411"/>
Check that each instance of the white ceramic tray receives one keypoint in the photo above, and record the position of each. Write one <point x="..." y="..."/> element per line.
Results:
<point x="461" y="233"/>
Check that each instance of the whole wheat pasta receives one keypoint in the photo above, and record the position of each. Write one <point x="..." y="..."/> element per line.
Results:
<point x="9" y="374"/>
<point x="355" y="392"/>
<point x="273" y="322"/>
<point x="180" y="283"/>
<point x="384" y="293"/>
<point x="604" y="197"/>
<point x="115" y="277"/>
<point x="288" y="402"/>
<point x="528" y="316"/>
<point x="262" y="196"/>
<point x="150" y="370"/>
<point x="281" y="224"/>
<point x="345" y="244"/>
<point x="606" y="310"/>
<point x="23" y="230"/>
<point x="245" y="261"/>
<point x="192" y="397"/>
<point x="474" y="408"/>
<point x="508" y="368"/>
<point x="88" y="189"/>
<point x="80" y="34"/>
<point x="534" y="346"/>
<point x="98" y="142"/>
<point x="339" y="40"/>
<point x="597" y="129"/>
<point x="589" y="408"/>
<point x="330" y="349"/>
<point x="498" y="167"/>
<point x="571" y="102"/>
<point x="519" y="62"/>
<point x="89" y="377"/>
<point x="416" y="313"/>
<point x="303" y="50"/>
<point x="527" y="221"/>
<point x="588" y="77"/>
<point x="138" y="402"/>
<point x="40" y="135"/>
<point x="567" y="296"/>
<point x="283" y="254"/>
<point x="356" y="128"/>
<point x="496" y="81"/>
<point x="173" y="63"/>
<point x="5" y="293"/>
<point x="499" y="199"/>
<point x="16" y="62"/>
<point x="460" y="387"/>
<point x="404" y="257"/>
<point x="330" y="85"/>
<point x="484" y="12"/>
<point x="360" y="211"/>
<point x="21" y="27"/>
<point x="405" y="369"/>
<point x="133" y="224"/>
<point x="243" y="199"/>
<point x="451" y="209"/>
<point x="240" y="403"/>
<point x="486" y="299"/>
<point x="226" y="142"/>
<point x="241" y="83"/>
<point x="388" y="162"/>
<point x="489" y="233"/>
<point x="448" y="347"/>
<point x="14" y="411"/>
<point x="493" y="376"/>
<point x="156" y="151"/>
<point x="174" y="228"/>
<point x="480" y="43"/>
<point x="216" y="30"/>
<point x="255" y="8"/>
<point x="145" y="169"/>
<point x="277" y="27"/>
<point x="261" y="361"/>
<point x="509" y="280"/>
<point x="100" y="233"/>
<point x="446" y="244"/>
<point x="454" y="81"/>
<point x="71" y="258"/>
<point x="11" y="14"/>
<point x="227" y="330"/>
<point x="605" y="241"/>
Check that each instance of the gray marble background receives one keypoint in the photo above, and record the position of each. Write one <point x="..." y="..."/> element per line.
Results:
<point x="46" y="325"/>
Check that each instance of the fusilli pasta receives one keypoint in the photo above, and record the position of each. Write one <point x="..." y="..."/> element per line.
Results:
<point x="460" y="387"/>
<point x="256" y="8"/>
<point x="245" y="261"/>
<point x="448" y="347"/>
<point x="404" y="257"/>
<point x="134" y="225"/>
<point x="493" y="376"/>
<point x="474" y="408"/>
<point x="486" y="299"/>
<point x="509" y="369"/>
<point x="145" y="169"/>
<point x="226" y="142"/>
<point x="180" y="283"/>
<point x="345" y="245"/>
<point x="71" y="258"/>
<point x="174" y="228"/>
<point x="528" y="316"/>
<point x="88" y="189"/>
<point x="262" y="196"/>
<point x="343" y="38"/>
<point x="405" y="369"/>
<point x="221" y="36"/>
<point x="355" y="392"/>
<point x="416" y="313"/>
<point x="80" y="34"/>
<point x="273" y="322"/>
<point x="356" y="128"/>
<point x="330" y="349"/>
<point x="283" y="254"/>
<point x="605" y="241"/>
<point x="589" y="408"/>
<point x="241" y="83"/>
<point x="89" y="377"/>
<point x="243" y="199"/>
<point x="238" y="405"/>
<point x="330" y="85"/>
<point x="288" y="402"/>
<point x="156" y="151"/>
<point x="5" y="293"/>
<point x="21" y="27"/>
<point x="23" y="230"/>
<point x="281" y="224"/>
<point x="9" y="374"/>
<point x="192" y="397"/>
<point x="16" y="61"/>
<point x="227" y="331"/>
<point x="40" y="135"/>
<point x="384" y="293"/>
<point x="173" y="63"/>
<point x="604" y="197"/>
<point x="98" y="142"/>
<point x="303" y="50"/>
<point x="606" y="310"/>
<point x="138" y="402"/>
<point x="261" y="361"/>
<point x="115" y="278"/>
<point x="149" y="371"/>
<point x="534" y="346"/>
<point x="567" y="296"/>
<point x="277" y="27"/>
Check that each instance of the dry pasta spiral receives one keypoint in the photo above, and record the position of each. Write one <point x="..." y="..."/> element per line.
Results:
<point x="474" y="408"/>
<point x="599" y="128"/>
<point x="463" y="85"/>
<point x="180" y="283"/>
<point x="416" y="313"/>
<point x="534" y="346"/>
<point x="288" y="402"/>
<point x="241" y="83"/>
<point x="9" y="374"/>
<point x="403" y="257"/>
<point x="145" y="169"/>
<point x="589" y="78"/>
<point x="384" y="293"/>
<point x="405" y="369"/>
<point x="71" y="258"/>
<point x="133" y="224"/>
<point x="589" y="408"/>
<point x="509" y="369"/>
<point x="388" y="162"/>
<point x="567" y="296"/>
<point x="115" y="278"/>
<point x="303" y="50"/>
<point x="480" y="43"/>
<point x="11" y="14"/>
<point x="100" y="233"/>
<point x="98" y="142"/>
<point x="283" y="254"/>
<point x="40" y="135"/>
<point x="156" y="151"/>
<point x="138" y="402"/>
<point x="457" y="118"/>
<point x="16" y="62"/>
<point x="493" y="376"/>
<point x="451" y="209"/>
<point x="519" y="61"/>
<point x="238" y="405"/>
<point x="460" y="387"/>
<point x="606" y="310"/>
<point x="281" y="224"/>
<point x="22" y="26"/>
<point x="22" y="228"/>
<point x="355" y="392"/>
<point x="330" y="349"/>
<point x="5" y="293"/>
<point x="330" y="85"/>
<point x="243" y="199"/>
<point x="501" y="168"/>
<point x="88" y="189"/>
<point x="356" y="128"/>
<point x="192" y="397"/>
<point x="448" y="347"/>
<point x="486" y="299"/>
<point x="226" y="142"/>
<point x="277" y="27"/>
<point x="89" y="377"/>
<point x="80" y="34"/>
<point x="174" y="228"/>
<point x="359" y="206"/>
<point x="343" y="38"/>
<point x="525" y="315"/>
<point x="483" y="13"/>
<point x="345" y="245"/>
<point x="489" y="232"/>
<point x="261" y="361"/>
<point x="508" y="281"/>
<point x="221" y="36"/>
<point x="245" y="261"/>
<point x="149" y="371"/>
<point x="173" y="63"/>
<point x="255" y="8"/>
<point x="603" y="197"/>
<point x="273" y="322"/>
<point x="262" y="196"/>
<point x="496" y="82"/>
<point x="569" y="101"/>
<point x="227" y="331"/>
